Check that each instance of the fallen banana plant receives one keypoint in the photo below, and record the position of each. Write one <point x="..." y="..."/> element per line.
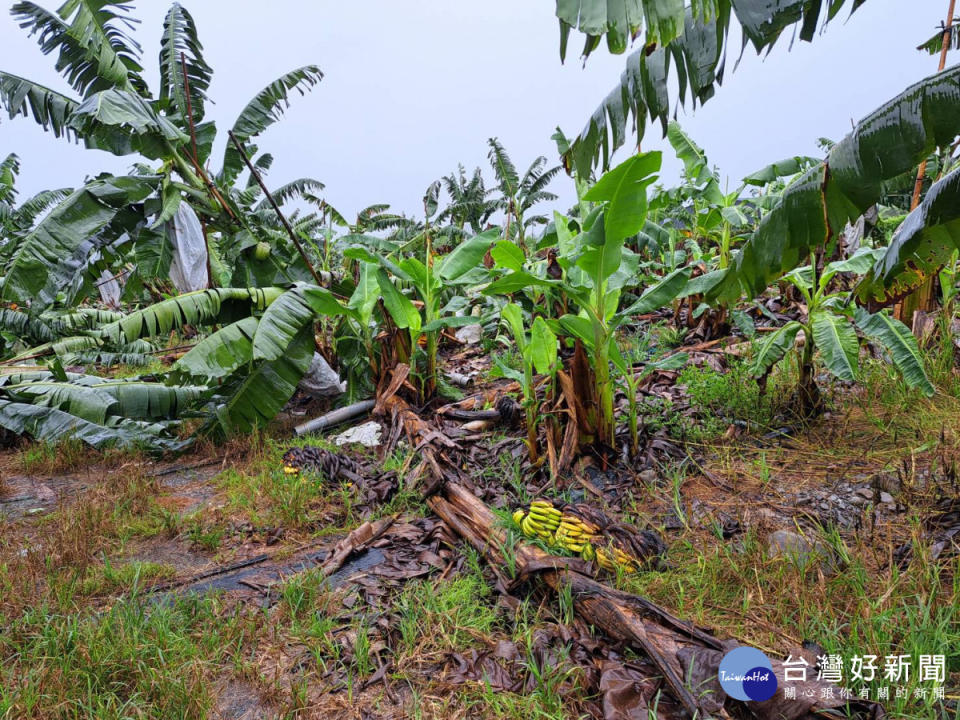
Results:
<point x="238" y="377"/>
<point x="688" y="657"/>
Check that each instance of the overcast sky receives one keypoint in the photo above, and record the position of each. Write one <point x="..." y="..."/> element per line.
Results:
<point x="414" y="87"/>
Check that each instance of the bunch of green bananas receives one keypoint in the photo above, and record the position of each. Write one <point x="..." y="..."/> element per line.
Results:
<point x="573" y="533"/>
<point x="541" y="521"/>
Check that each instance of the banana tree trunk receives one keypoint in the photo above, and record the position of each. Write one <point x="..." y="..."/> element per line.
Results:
<point x="923" y="299"/>
<point x="810" y="401"/>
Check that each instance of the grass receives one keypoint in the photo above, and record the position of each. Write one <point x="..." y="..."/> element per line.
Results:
<point x="449" y="615"/>
<point x="150" y="661"/>
<point x="775" y="603"/>
<point x="108" y="579"/>
<point x="729" y="397"/>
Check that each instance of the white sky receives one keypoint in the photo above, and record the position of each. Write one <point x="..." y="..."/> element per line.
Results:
<point x="413" y="87"/>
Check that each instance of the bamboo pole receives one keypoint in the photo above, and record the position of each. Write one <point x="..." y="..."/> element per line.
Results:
<point x="276" y="208"/>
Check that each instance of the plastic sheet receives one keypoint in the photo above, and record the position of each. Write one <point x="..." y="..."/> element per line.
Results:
<point x="188" y="269"/>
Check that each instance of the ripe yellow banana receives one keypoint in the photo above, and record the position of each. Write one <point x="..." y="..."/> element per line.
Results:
<point x="612" y="559"/>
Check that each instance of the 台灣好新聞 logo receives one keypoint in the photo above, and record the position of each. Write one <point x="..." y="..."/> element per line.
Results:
<point x="746" y="674"/>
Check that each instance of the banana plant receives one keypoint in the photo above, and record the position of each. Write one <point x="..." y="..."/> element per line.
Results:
<point x="831" y="326"/>
<point x="238" y="378"/>
<point x="432" y="279"/>
<point x="538" y="352"/>
<point x="253" y="363"/>
<point x="113" y="109"/>
<point x="632" y="380"/>
<point x="595" y="269"/>
<point x="707" y="212"/>
<point x="519" y="195"/>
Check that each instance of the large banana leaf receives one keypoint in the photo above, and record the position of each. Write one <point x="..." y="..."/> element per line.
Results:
<point x="94" y="52"/>
<point x="782" y="168"/>
<point x="694" y="160"/>
<point x="814" y="208"/>
<point x="659" y="295"/>
<point x="146" y="400"/>
<point x="180" y="39"/>
<point x="51" y="109"/>
<point x="147" y="132"/>
<point x="221" y="353"/>
<point x="83" y="401"/>
<point x="80" y="319"/>
<point x="9" y="171"/>
<point x="503" y="168"/>
<point x="288" y="315"/>
<point x="74" y="345"/>
<point x="896" y="339"/>
<point x="204" y="307"/>
<point x="836" y="339"/>
<point x="136" y="400"/>
<point x="45" y="260"/>
<point x="693" y="39"/>
<point x="775" y="346"/>
<point x="625" y="190"/>
<point x="257" y="396"/>
<point x="24" y="326"/>
<point x="466" y="256"/>
<point x="621" y="21"/>
<point x="31" y="208"/>
<point x="264" y="110"/>
<point x="921" y="246"/>
<point x="52" y="425"/>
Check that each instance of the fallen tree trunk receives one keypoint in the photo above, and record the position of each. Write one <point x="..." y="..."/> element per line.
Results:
<point x="687" y="656"/>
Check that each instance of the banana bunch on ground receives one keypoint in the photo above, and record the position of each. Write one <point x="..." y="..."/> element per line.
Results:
<point x="541" y="520"/>
<point x="317" y="459"/>
<point x="591" y="534"/>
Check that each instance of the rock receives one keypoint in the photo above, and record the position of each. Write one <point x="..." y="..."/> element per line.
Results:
<point x="648" y="477"/>
<point x="470" y="334"/>
<point x="321" y="380"/>
<point x="367" y="435"/>
<point x="888" y="482"/>
<point x="886" y="498"/>
<point x="794" y="546"/>
<point x="866" y="493"/>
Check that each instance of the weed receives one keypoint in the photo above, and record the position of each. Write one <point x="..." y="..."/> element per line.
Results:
<point x="207" y="537"/>
<point x="135" y="659"/>
<point x="47" y="458"/>
<point x="733" y="396"/>
<point x="447" y="615"/>
<point x="108" y="579"/>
